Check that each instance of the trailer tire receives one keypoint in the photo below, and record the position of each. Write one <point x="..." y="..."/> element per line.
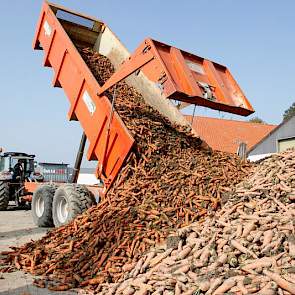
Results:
<point x="69" y="201"/>
<point x="4" y="195"/>
<point x="42" y="205"/>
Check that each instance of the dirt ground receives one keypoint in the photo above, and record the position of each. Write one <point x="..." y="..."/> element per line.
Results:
<point x="17" y="228"/>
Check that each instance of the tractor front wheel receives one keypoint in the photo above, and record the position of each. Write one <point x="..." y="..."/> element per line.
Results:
<point x="69" y="201"/>
<point x="4" y="195"/>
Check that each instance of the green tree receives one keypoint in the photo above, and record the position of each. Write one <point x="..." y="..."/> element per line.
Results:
<point x="256" y="120"/>
<point x="289" y="112"/>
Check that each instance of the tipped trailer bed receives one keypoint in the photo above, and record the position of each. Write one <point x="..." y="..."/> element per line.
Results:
<point x="159" y="72"/>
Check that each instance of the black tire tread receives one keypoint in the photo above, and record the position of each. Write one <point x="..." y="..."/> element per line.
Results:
<point x="46" y="220"/>
<point x="79" y="197"/>
<point x="4" y="195"/>
<point x="86" y="196"/>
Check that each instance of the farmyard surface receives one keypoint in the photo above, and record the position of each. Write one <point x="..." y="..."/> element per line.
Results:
<point x="17" y="228"/>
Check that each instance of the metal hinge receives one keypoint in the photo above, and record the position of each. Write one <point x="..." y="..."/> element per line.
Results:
<point x="163" y="78"/>
<point x="208" y="90"/>
<point x="146" y="48"/>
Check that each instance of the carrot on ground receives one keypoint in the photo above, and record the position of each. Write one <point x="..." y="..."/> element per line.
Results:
<point x="286" y="285"/>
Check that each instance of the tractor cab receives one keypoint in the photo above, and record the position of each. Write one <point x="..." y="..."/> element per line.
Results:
<point x="16" y="166"/>
<point x="16" y="169"/>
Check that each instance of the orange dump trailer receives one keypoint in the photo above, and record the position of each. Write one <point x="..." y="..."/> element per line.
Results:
<point x="168" y="72"/>
<point x="161" y="73"/>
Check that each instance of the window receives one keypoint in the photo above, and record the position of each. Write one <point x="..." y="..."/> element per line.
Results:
<point x="77" y="19"/>
<point x="13" y="162"/>
<point x="284" y="144"/>
<point x="4" y="164"/>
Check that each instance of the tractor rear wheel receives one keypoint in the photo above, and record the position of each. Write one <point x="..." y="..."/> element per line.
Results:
<point x="4" y="195"/>
<point x="42" y="205"/>
<point x="69" y="201"/>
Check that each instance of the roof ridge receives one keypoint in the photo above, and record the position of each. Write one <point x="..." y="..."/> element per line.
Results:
<point x="221" y="119"/>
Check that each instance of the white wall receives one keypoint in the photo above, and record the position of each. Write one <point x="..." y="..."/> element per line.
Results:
<point x="87" y="179"/>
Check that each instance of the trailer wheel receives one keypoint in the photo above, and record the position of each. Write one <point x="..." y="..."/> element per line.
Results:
<point x="42" y="205"/>
<point x="69" y="201"/>
<point x="4" y="195"/>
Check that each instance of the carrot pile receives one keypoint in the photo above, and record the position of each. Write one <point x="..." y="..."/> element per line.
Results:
<point x="248" y="247"/>
<point x="168" y="182"/>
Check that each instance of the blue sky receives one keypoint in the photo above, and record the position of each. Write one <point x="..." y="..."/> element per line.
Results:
<point x="255" y="39"/>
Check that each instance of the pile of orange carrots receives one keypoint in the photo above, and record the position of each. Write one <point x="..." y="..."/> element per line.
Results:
<point x="248" y="247"/>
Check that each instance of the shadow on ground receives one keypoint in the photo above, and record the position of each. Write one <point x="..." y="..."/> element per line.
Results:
<point x="22" y="232"/>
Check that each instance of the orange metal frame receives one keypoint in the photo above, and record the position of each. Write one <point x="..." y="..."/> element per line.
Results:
<point x="109" y="147"/>
<point x="179" y="75"/>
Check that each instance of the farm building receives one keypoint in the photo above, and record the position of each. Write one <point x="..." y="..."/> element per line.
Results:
<point x="55" y="172"/>
<point x="87" y="177"/>
<point x="279" y="139"/>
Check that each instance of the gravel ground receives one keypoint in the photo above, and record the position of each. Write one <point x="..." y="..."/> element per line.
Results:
<point x="17" y="228"/>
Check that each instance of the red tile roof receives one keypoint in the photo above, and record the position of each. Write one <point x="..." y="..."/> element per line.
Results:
<point x="226" y="135"/>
